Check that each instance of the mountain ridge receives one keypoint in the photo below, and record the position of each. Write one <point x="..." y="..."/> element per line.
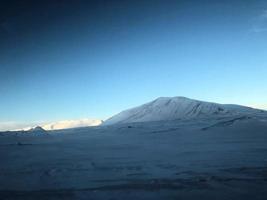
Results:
<point x="179" y="107"/>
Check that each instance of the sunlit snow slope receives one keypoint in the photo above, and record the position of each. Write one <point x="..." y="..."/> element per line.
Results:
<point x="171" y="108"/>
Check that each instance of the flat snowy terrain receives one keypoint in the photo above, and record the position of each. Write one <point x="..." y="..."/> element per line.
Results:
<point x="219" y="157"/>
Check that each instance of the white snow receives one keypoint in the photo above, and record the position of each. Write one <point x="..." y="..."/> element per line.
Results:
<point x="37" y="128"/>
<point x="57" y="125"/>
<point x="71" y="124"/>
<point x="171" y="108"/>
<point x="198" y="156"/>
<point x="213" y="158"/>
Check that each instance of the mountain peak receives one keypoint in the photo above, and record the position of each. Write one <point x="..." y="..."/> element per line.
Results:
<point x="168" y="98"/>
<point x="37" y="128"/>
<point x="172" y="108"/>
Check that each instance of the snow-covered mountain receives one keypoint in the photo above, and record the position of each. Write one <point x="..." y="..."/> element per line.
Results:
<point x="172" y="108"/>
<point x="38" y="130"/>
<point x="57" y="125"/>
<point x="64" y="124"/>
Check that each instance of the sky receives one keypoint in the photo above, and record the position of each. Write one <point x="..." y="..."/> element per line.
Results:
<point x="80" y="59"/>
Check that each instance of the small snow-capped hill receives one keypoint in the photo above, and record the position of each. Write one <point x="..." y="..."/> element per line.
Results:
<point x="172" y="108"/>
<point x="37" y="131"/>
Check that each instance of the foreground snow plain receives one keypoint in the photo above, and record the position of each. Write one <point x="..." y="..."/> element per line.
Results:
<point x="204" y="158"/>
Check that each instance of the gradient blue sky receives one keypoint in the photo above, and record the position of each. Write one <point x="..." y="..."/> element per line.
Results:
<point x="77" y="59"/>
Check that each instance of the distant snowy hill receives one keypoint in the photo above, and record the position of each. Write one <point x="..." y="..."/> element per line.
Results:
<point x="63" y="124"/>
<point x="37" y="131"/>
<point x="172" y="108"/>
<point x="71" y="124"/>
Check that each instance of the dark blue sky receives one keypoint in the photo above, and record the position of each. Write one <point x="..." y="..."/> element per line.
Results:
<point x="74" y="59"/>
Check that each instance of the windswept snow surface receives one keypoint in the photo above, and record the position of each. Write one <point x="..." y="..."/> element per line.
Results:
<point x="171" y="108"/>
<point x="198" y="158"/>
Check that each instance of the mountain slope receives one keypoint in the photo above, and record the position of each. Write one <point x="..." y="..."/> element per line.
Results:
<point x="171" y="108"/>
<point x="38" y="130"/>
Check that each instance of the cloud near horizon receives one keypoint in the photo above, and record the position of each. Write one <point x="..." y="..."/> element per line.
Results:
<point x="13" y="125"/>
<point x="259" y="106"/>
